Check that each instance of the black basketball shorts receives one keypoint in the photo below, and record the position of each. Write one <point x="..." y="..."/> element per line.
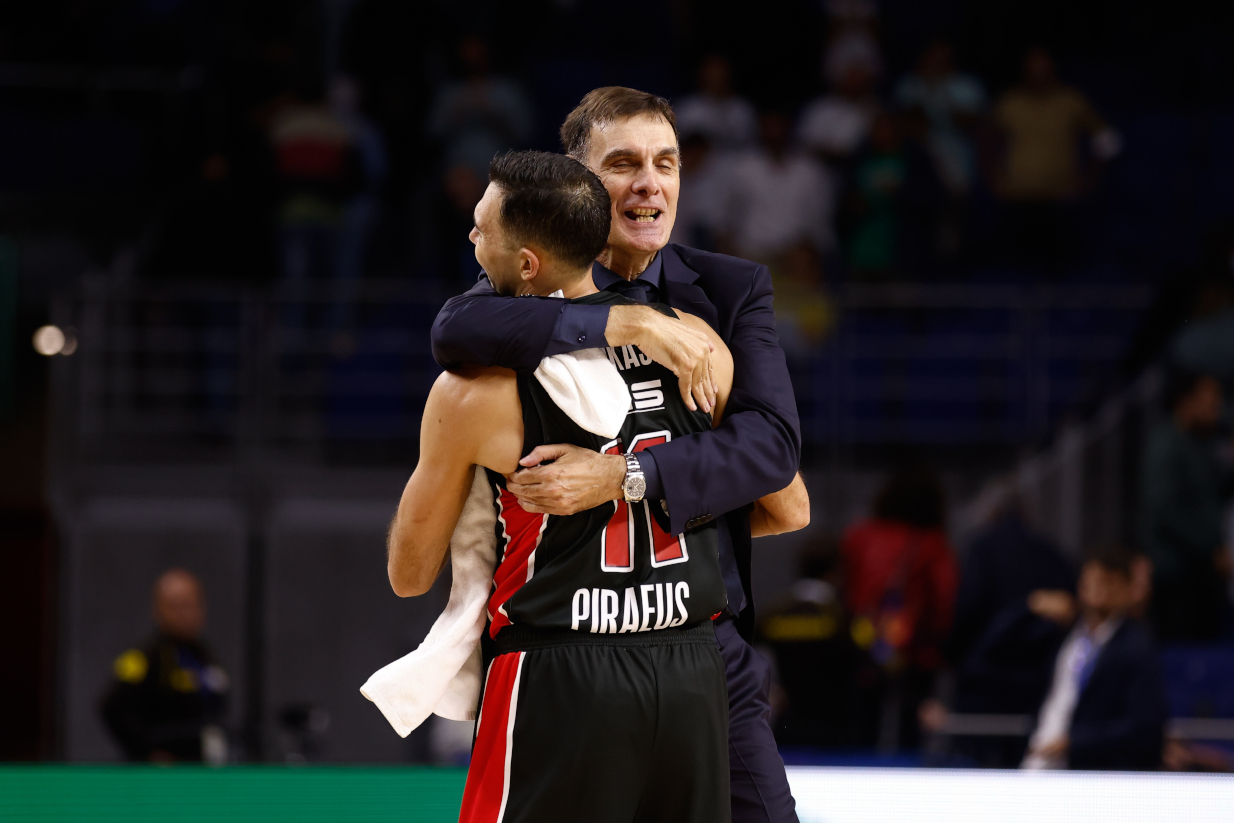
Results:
<point x="601" y="729"/>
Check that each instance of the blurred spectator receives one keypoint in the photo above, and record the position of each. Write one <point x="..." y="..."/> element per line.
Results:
<point x="1041" y="122"/>
<point x="1015" y="588"/>
<point x="1106" y="708"/>
<point x="1206" y="343"/>
<point x="834" y="126"/>
<point x="951" y="102"/>
<point x="362" y="211"/>
<point x="851" y="45"/>
<point x="319" y="172"/>
<point x="218" y="228"/>
<point x="727" y="120"/>
<point x="1184" y="487"/>
<point x="473" y="119"/>
<point x="900" y="590"/>
<point x="808" y="634"/>
<point x="778" y="199"/>
<point x="897" y="199"/>
<point x="479" y="115"/>
<point x="700" y="207"/>
<point x="167" y="701"/>
<point x="1005" y="564"/>
<point x="778" y="211"/>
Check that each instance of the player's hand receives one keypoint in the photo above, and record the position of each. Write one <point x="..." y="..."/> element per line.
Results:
<point x="576" y="480"/>
<point x="684" y="351"/>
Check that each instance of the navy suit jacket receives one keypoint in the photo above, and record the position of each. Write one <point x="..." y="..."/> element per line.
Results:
<point x="1119" y="720"/>
<point x="756" y="449"/>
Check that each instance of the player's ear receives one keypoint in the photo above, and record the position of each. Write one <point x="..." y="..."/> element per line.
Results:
<point x="528" y="264"/>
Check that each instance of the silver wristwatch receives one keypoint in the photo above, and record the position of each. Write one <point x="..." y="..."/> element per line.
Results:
<point x="635" y="484"/>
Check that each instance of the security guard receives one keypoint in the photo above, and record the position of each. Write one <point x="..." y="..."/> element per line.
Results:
<point x="167" y="700"/>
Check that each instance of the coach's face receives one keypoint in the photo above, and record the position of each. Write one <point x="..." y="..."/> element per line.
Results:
<point x="638" y="161"/>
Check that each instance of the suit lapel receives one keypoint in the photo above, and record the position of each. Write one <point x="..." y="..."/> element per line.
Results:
<point x="683" y="291"/>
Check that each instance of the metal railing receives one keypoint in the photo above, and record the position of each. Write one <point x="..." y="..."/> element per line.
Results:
<point x="164" y="372"/>
<point x="1081" y="489"/>
<point x="960" y="364"/>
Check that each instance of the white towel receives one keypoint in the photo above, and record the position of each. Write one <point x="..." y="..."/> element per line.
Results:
<point x="587" y="387"/>
<point x="443" y="675"/>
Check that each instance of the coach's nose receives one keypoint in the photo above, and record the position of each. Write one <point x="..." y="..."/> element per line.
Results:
<point x="645" y="183"/>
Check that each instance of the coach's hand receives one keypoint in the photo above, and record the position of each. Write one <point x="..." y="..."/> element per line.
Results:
<point x="686" y="352"/>
<point x="577" y="479"/>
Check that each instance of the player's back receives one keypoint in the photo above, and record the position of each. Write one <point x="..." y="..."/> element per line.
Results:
<point x="613" y="569"/>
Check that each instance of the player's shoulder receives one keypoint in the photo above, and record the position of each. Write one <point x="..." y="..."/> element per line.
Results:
<point x="471" y="388"/>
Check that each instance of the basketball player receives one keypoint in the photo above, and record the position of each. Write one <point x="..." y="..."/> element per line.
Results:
<point x="606" y="699"/>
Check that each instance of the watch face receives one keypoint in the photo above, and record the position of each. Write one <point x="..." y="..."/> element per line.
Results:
<point x="635" y="487"/>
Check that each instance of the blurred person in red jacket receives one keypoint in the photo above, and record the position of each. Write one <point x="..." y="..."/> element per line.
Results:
<point x="901" y="588"/>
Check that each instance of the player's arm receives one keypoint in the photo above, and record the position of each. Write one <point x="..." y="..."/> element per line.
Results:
<point x="457" y="432"/>
<point x="787" y="510"/>
<point x="487" y="329"/>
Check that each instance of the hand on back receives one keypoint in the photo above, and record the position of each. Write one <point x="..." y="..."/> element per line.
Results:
<point x="684" y="351"/>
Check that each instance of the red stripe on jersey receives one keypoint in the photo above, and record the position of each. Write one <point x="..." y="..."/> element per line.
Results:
<point x="522" y="531"/>
<point x="488" y="776"/>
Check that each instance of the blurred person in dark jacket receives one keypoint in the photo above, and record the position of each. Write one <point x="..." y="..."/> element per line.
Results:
<point x="1183" y="493"/>
<point x="167" y="700"/>
<point x="1003" y="665"/>
<point x="900" y="589"/>
<point x="1106" y="708"/>
<point x="808" y="634"/>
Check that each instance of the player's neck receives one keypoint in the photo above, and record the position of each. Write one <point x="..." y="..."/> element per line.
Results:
<point x="579" y="286"/>
<point x="570" y="284"/>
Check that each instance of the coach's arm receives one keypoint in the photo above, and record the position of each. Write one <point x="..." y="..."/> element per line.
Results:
<point x="482" y="327"/>
<point x="757" y="448"/>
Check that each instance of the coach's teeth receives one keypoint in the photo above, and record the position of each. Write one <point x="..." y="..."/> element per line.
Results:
<point x="644" y="215"/>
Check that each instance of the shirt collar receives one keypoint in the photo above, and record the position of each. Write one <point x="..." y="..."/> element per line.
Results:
<point x="1101" y="634"/>
<point x="654" y="275"/>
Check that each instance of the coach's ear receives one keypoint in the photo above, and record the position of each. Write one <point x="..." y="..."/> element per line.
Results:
<point x="528" y="265"/>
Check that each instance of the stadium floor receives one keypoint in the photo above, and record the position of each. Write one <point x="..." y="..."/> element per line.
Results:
<point x="236" y="794"/>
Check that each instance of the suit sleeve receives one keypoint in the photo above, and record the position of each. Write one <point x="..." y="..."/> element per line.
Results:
<point x="486" y="329"/>
<point x="756" y="449"/>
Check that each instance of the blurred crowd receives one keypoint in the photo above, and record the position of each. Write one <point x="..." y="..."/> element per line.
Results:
<point x="367" y="163"/>
<point x="1011" y="654"/>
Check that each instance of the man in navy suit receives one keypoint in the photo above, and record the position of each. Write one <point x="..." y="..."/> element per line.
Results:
<point x="1107" y="705"/>
<point x="629" y="139"/>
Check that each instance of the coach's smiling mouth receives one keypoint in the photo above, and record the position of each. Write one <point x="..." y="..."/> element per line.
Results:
<point x="643" y="215"/>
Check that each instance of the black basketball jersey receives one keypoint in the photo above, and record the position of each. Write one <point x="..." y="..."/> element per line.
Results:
<point x="614" y="568"/>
